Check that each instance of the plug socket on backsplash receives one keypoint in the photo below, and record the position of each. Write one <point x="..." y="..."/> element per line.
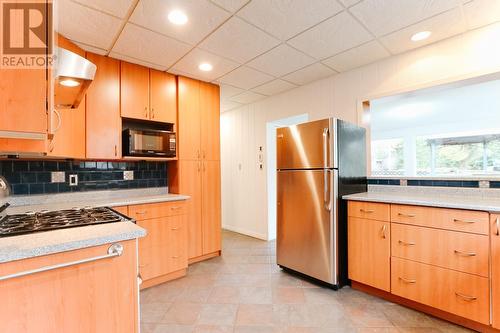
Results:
<point x="57" y="177"/>
<point x="128" y="175"/>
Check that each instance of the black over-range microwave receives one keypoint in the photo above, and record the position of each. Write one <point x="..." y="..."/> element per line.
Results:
<point x="149" y="143"/>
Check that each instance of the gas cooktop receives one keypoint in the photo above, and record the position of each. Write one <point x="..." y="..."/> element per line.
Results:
<point x="30" y="222"/>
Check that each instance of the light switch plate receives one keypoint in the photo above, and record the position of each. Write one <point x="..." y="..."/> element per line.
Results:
<point x="128" y="175"/>
<point x="73" y="180"/>
<point x="57" y="177"/>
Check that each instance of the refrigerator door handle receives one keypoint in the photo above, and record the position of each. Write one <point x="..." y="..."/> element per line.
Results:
<point x="325" y="170"/>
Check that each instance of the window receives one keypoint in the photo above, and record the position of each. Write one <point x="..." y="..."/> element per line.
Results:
<point x="443" y="132"/>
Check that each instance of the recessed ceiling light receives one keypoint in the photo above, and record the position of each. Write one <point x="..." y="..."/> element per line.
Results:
<point x="206" y="67"/>
<point x="69" y="83"/>
<point x="421" y="36"/>
<point x="177" y="17"/>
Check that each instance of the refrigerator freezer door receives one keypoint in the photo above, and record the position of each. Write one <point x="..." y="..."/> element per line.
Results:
<point x="306" y="146"/>
<point x="305" y="223"/>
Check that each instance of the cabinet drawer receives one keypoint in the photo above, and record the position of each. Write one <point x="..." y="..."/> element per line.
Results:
<point x="460" y="251"/>
<point x="156" y="210"/>
<point x="442" y="218"/>
<point x="369" y="210"/>
<point x="462" y="294"/>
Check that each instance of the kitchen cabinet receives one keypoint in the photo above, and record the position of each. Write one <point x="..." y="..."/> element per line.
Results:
<point x="163" y="97"/>
<point x="163" y="253"/>
<point x="369" y="252"/>
<point x="69" y="138"/>
<point x="103" y="122"/>
<point x="134" y="95"/>
<point x="495" y="269"/>
<point x="199" y="165"/>
<point x="97" y="296"/>
<point x="148" y="94"/>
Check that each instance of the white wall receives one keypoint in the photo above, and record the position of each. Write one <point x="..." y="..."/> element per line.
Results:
<point x="244" y="195"/>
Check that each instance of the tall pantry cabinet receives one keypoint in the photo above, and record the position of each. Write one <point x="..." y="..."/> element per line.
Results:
<point x="198" y="167"/>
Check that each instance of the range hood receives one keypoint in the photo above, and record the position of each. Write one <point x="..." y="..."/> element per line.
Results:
<point x="73" y="76"/>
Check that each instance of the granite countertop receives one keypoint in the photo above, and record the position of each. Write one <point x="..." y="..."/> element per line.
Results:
<point x="43" y="243"/>
<point x="488" y="204"/>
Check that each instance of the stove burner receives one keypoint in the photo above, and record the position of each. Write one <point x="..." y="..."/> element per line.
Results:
<point x="13" y="225"/>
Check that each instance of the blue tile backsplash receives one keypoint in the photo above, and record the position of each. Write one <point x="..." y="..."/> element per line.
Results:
<point x="34" y="177"/>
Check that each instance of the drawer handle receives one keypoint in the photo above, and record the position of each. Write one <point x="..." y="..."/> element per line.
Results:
<point x="408" y="280"/>
<point x="384" y="229"/>
<point x="497" y="227"/>
<point x="141" y="212"/>
<point x="406" y="243"/>
<point x="463" y="221"/>
<point x="465" y="297"/>
<point x="367" y="211"/>
<point x="406" y="215"/>
<point x="465" y="254"/>
<point x="175" y="208"/>
<point x="175" y="257"/>
<point x="175" y="228"/>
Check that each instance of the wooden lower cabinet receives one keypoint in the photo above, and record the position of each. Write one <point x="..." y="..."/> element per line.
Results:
<point x="98" y="296"/>
<point x="465" y="295"/>
<point x="495" y="269"/>
<point x="369" y="248"/>
<point x="211" y="210"/>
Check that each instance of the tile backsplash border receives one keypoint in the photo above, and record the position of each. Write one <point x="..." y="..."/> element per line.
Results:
<point x="436" y="182"/>
<point x="33" y="177"/>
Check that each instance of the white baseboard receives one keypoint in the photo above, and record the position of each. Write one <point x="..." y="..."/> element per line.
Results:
<point x="245" y="232"/>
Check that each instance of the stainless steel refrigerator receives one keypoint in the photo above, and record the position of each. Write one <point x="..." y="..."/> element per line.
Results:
<point x="317" y="163"/>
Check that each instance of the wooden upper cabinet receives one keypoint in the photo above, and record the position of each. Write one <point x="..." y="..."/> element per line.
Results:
<point x="134" y="91"/>
<point x="103" y="109"/>
<point x="495" y="269"/>
<point x="210" y="121"/>
<point x="69" y="139"/>
<point x="189" y="119"/>
<point x="163" y="101"/>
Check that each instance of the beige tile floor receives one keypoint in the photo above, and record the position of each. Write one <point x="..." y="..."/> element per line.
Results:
<point x="244" y="291"/>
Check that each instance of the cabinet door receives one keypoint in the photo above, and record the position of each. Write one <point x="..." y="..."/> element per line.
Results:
<point x="190" y="184"/>
<point x="495" y="260"/>
<point x="103" y="110"/>
<point x="210" y="121"/>
<point x="369" y="252"/>
<point x="134" y="91"/>
<point x="69" y="139"/>
<point x="177" y="243"/>
<point x="211" y="213"/>
<point x="153" y="249"/>
<point x="163" y="97"/>
<point x="189" y="119"/>
<point x="97" y="296"/>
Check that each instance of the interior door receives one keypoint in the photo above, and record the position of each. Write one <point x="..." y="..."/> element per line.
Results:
<point x="305" y="146"/>
<point x="305" y="242"/>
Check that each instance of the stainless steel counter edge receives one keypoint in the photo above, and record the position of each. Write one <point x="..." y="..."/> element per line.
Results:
<point x="50" y="242"/>
<point x="470" y="203"/>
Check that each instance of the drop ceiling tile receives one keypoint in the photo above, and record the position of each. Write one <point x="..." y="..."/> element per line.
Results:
<point x="281" y="60"/>
<point x="274" y="87"/>
<point x="349" y="3"/>
<point x="138" y="43"/>
<point x="245" y="78"/>
<point x="311" y="73"/>
<point x="285" y="19"/>
<point x="356" y="57"/>
<point x="228" y="105"/>
<point x="92" y="49"/>
<point x="247" y="97"/>
<point x="238" y="41"/>
<point x="189" y="64"/>
<point x="117" y="8"/>
<point x="231" y="5"/>
<point x="136" y="61"/>
<point x="442" y="26"/>
<point x="86" y="25"/>
<point x="384" y="16"/>
<point x="482" y="12"/>
<point x="203" y="18"/>
<point x="227" y="91"/>
<point x="333" y="36"/>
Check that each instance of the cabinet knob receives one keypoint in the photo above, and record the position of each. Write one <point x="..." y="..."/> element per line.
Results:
<point x="116" y="150"/>
<point x="146" y="111"/>
<point x="153" y="113"/>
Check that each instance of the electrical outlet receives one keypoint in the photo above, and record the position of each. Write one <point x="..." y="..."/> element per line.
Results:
<point x="57" y="177"/>
<point x="73" y="180"/>
<point x="128" y="175"/>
